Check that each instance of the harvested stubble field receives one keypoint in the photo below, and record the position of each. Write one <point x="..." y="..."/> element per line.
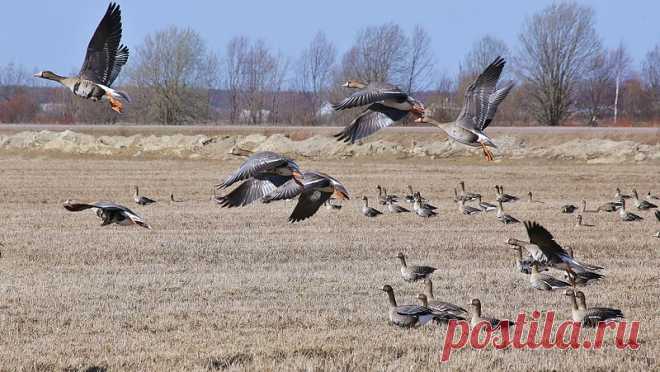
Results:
<point x="214" y="289"/>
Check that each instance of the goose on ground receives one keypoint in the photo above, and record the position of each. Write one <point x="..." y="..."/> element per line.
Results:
<point x="262" y="173"/>
<point x="386" y="104"/>
<point x="530" y="198"/>
<point x="652" y="197"/>
<point x="109" y="213"/>
<point x="544" y="249"/>
<point x="172" y="200"/>
<point x="367" y="210"/>
<point x="485" y="206"/>
<point x="315" y="189"/>
<point x="580" y="223"/>
<point x="503" y="217"/>
<point x="395" y="208"/>
<point x="524" y="265"/>
<point x="466" y="195"/>
<point x="434" y="304"/>
<point x="141" y="200"/>
<point x="422" y="202"/>
<point x="627" y="216"/>
<point x="441" y="315"/>
<point x="501" y="196"/>
<point x="332" y="206"/>
<point x="568" y="208"/>
<point x="609" y="207"/>
<point x="545" y="282"/>
<point x="413" y="273"/>
<point x="618" y="196"/>
<point x="466" y="209"/>
<point x="422" y="209"/>
<point x="103" y="62"/>
<point x="410" y="198"/>
<point x="590" y="316"/>
<point x="642" y="204"/>
<point x="480" y="104"/>
<point x="477" y="317"/>
<point x="406" y="316"/>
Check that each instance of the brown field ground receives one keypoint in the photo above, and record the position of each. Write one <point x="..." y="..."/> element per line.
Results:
<point x="214" y="289"/>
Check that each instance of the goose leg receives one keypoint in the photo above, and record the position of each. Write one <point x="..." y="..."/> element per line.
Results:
<point x="487" y="153"/>
<point x="115" y="104"/>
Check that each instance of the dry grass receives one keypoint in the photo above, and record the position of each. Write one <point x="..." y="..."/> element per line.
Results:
<point x="215" y="289"/>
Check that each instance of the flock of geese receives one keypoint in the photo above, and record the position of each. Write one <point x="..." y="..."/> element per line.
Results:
<point x="270" y="177"/>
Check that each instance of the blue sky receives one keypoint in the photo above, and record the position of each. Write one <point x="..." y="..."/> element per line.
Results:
<point x="44" y="34"/>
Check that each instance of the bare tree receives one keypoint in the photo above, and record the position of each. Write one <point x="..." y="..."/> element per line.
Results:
<point x="483" y="52"/>
<point x="596" y="88"/>
<point x="378" y="54"/>
<point x="556" y="46"/>
<point x="171" y="77"/>
<point x="420" y="68"/>
<point x="237" y="51"/>
<point x="620" y="61"/>
<point x="651" y="71"/>
<point x="314" y="73"/>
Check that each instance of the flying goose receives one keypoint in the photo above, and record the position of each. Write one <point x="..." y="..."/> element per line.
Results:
<point x="315" y="189"/>
<point x="438" y="305"/>
<point x="642" y="204"/>
<point x="386" y="104"/>
<point x="485" y="206"/>
<point x="503" y="217"/>
<point x="442" y="315"/>
<point x="466" y="209"/>
<point x="501" y="196"/>
<point x="525" y="265"/>
<point x="109" y="212"/>
<point x="479" y="107"/>
<point x="367" y="210"/>
<point x="590" y="316"/>
<point x="477" y="318"/>
<point x="414" y="273"/>
<point x="142" y="200"/>
<point x="581" y="278"/>
<point x="545" y="282"/>
<point x="531" y="199"/>
<point x="627" y="216"/>
<point x="422" y="209"/>
<point x="407" y="316"/>
<point x="103" y="62"/>
<point x="465" y="195"/>
<point x="395" y="208"/>
<point x="261" y="174"/>
<point x="544" y="249"/>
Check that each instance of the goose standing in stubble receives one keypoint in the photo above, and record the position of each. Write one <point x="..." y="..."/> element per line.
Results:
<point x="479" y="107"/>
<point x="641" y="204"/>
<point x="590" y="316"/>
<point x="103" y="62"/>
<point x="262" y="173"/>
<point x="143" y="200"/>
<point x="627" y="216"/>
<point x="477" y="317"/>
<point x="503" y="217"/>
<point x="434" y="304"/>
<point x="406" y="316"/>
<point x="367" y="210"/>
<point x="413" y="273"/>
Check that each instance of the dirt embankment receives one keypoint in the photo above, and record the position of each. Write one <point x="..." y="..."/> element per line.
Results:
<point x="207" y="146"/>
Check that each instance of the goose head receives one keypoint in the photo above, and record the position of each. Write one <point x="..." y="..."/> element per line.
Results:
<point x="476" y="307"/>
<point x="48" y="75"/>
<point x="354" y="84"/>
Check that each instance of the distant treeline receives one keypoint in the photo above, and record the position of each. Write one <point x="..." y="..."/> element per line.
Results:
<point x="563" y="75"/>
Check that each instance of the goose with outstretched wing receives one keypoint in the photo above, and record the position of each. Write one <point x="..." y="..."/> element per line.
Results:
<point x="261" y="174"/>
<point x="482" y="98"/>
<point x="109" y="212"/>
<point x="386" y="105"/>
<point x="315" y="189"/>
<point x="103" y="62"/>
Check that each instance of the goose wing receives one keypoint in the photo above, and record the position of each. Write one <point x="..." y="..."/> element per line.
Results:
<point x="374" y="92"/>
<point x="482" y="97"/>
<point x="259" y="163"/>
<point x="374" y="118"/>
<point x="101" y="64"/>
<point x="251" y="190"/>
<point x="308" y="203"/>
